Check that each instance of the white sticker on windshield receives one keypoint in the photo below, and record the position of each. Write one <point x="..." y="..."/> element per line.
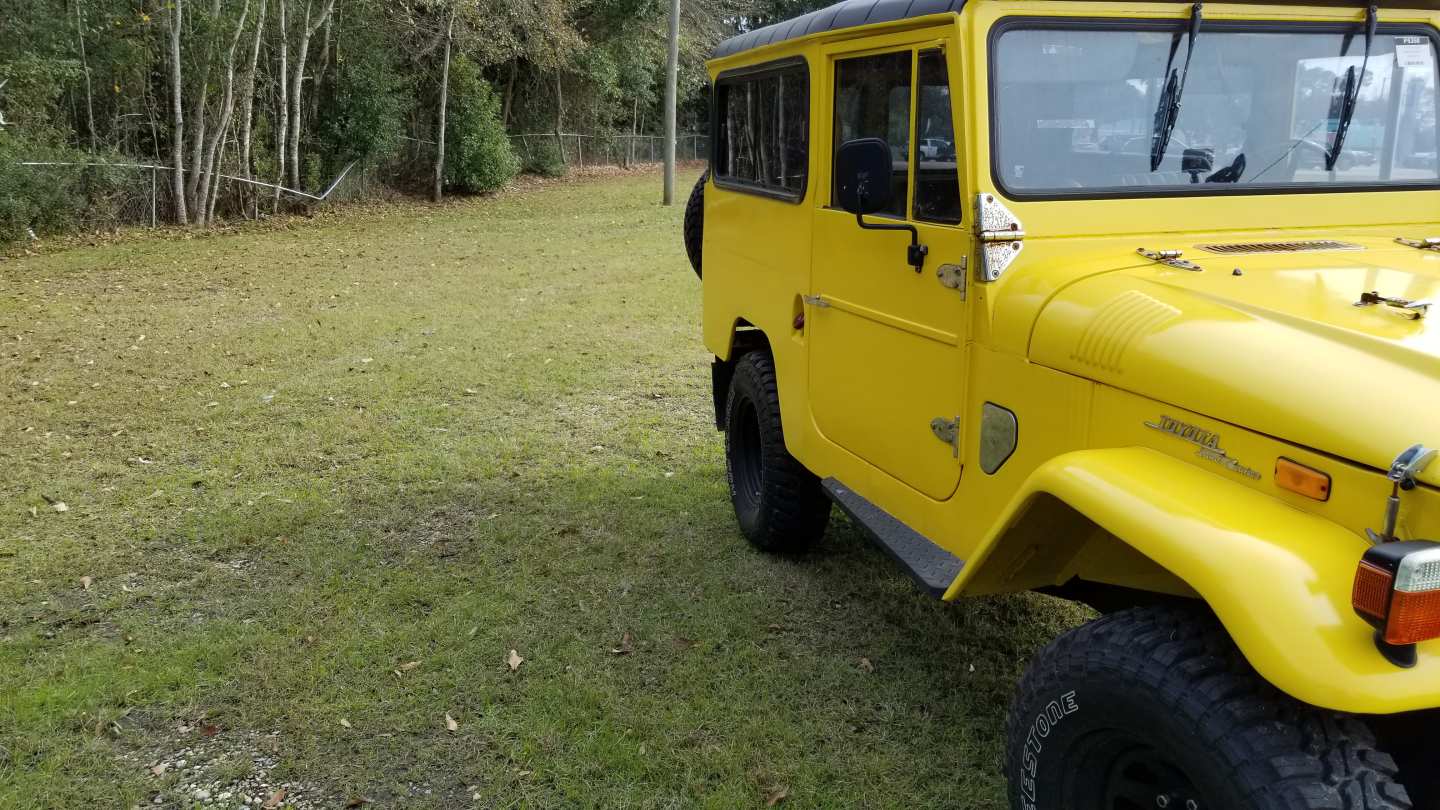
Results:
<point x="1413" y="56"/>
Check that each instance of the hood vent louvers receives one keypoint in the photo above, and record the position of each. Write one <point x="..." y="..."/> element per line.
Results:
<point x="1303" y="246"/>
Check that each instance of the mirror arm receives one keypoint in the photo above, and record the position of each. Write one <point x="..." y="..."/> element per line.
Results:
<point x="917" y="253"/>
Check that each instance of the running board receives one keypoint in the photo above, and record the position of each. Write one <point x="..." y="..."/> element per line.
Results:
<point x="932" y="567"/>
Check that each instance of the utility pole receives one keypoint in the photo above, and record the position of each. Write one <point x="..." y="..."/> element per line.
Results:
<point x="672" y="74"/>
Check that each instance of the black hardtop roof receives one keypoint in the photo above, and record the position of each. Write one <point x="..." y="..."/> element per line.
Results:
<point x="847" y="14"/>
<point x="855" y="13"/>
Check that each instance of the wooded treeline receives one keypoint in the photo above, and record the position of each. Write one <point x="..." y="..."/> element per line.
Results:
<point x="415" y="96"/>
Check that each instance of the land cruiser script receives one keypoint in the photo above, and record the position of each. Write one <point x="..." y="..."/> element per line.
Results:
<point x="1045" y="722"/>
<point x="1209" y="444"/>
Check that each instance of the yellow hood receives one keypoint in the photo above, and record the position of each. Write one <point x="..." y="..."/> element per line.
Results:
<point x="1280" y="348"/>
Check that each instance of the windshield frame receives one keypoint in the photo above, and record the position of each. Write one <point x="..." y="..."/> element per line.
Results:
<point x="1168" y="25"/>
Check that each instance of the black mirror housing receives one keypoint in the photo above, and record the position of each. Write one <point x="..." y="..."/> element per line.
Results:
<point x="863" y="173"/>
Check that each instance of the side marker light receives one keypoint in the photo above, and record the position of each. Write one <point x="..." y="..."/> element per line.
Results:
<point x="1302" y="480"/>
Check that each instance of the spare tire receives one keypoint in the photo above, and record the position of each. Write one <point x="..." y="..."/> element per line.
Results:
<point x="695" y="223"/>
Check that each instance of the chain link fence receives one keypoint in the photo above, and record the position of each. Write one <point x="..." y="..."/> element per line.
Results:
<point x="607" y="150"/>
<point x="108" y="195"/>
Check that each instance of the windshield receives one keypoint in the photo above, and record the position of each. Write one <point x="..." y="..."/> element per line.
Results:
<point x="1075" y="110"/>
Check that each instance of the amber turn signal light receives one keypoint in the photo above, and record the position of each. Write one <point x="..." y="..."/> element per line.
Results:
<point x="1397" y="590"/>
<point x="1302" y="480"/>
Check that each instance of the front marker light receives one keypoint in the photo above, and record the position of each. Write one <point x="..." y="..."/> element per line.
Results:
<point x="1397" y="590"/>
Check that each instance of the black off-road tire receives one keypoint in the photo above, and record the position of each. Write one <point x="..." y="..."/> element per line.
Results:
<point x="695" y="223"/>
<point x="779" y="504"/>
<point x="1158" y="700"/>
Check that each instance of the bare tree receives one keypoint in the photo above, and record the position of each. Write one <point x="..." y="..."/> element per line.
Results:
<point x="177" y="115"/>
<point x="444" y="101"/>
<point x="307" y="32"/>
<point x="282" y="131"/>
<point x="85" y="66"/>
<point x="247" y="110"/>
<point x="210" y="186"/>
<point x="197" y="129"/>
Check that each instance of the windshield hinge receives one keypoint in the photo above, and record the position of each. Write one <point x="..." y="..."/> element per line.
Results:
<point x="1000" y="233"/>
<point x="1430" y="243"/>
<point x="1170" y="258"/>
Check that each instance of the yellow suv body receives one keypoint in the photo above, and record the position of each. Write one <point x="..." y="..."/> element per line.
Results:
<point x="1144" y="319"/>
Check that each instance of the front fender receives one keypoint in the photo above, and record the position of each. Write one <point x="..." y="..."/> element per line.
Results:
<point x="1278" y="579"/>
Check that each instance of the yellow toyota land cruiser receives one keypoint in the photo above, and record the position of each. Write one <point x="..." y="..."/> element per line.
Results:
<point x="1127" y="303"/>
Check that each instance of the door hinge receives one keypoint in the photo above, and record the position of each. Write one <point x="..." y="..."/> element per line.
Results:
<point x="952" y="276"/>
<point x="1000" y="233"/>
<point x="947" y="431"/>
<point x="816" y="301"/>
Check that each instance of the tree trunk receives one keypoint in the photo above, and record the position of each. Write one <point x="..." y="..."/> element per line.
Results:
<point x="560" y="119"/>
<point x="247" y="114"/>
<point x="509" y="94"/>
<point x="296" y="87"/>
<point x="210" y="187"/>
<point x="282" y="132"/>
<point x="197" y="124"/>
<point x="444" y="101"/>
<point x="177" y="116"/>
<point x="85" y="65"/>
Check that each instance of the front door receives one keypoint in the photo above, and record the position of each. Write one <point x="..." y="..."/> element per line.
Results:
<point x="887" y="341"/>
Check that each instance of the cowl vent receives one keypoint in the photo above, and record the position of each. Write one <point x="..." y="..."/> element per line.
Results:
<point x="1310" y="246"/>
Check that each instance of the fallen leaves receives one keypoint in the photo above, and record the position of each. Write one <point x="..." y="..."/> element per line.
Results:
<point x="865" y="665"/>
<point x="275" y="799"/>
<point x="776" y="796"/>
<point x="450" y="723"/>
<point x="86" y="582"/>
<point x="514" y="661"/>
<point x="346" y="723"/>
<point x="408" y="666"/>
<point x="627" y="645"/>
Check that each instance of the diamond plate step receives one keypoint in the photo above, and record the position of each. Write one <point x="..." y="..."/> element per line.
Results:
<point x="932" y="567"/>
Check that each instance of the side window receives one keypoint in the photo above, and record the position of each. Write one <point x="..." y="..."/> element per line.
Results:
<point x="872" y="100"/>
<point x="763" y="131"/>
<point x="937" y="174"/>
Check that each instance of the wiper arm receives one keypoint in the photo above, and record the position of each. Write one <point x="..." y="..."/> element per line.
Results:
<point x="1351" y="99"/>
<point x="1168" y="111"/>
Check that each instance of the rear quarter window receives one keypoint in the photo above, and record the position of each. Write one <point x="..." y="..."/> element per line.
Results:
<point x="762" y="137"/>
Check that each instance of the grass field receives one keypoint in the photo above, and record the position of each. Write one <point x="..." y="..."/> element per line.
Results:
<point x="296" y="461"/>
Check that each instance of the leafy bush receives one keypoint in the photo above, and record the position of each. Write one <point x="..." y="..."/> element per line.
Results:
<point x="479" y="157"/>
<point x="542" y="157"/>
<point x="51" y="199"/>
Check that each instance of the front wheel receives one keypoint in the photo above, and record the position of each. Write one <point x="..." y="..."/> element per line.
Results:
<point x="1156" y="708"/>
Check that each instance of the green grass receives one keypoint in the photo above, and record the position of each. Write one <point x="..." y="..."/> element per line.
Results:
<point x="297" y="458"/>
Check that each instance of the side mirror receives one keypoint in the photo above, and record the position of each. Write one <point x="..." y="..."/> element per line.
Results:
<point x="863" y="176"/>
<point x="864" y="172"/>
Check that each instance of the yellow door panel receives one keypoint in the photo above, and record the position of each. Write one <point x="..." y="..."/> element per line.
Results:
<point x="887" y="340"/>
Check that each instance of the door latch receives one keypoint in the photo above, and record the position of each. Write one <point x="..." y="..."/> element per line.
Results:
<point x="947" y="431"/>
<point x="952" y="276"/>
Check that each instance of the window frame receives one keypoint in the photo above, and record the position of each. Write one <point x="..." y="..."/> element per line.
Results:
<point x="1142" y="24"/>
<point x="754" y="72"/>
<point x="915" y="48"/>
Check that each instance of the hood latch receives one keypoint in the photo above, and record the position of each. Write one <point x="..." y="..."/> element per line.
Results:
<point x="1432" y="243"/>
<point x="1404" y="307"/>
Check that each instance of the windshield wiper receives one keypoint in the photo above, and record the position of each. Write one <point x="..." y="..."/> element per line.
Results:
<point x="1168" y="111"/>
<point x="1351" y="99"/>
